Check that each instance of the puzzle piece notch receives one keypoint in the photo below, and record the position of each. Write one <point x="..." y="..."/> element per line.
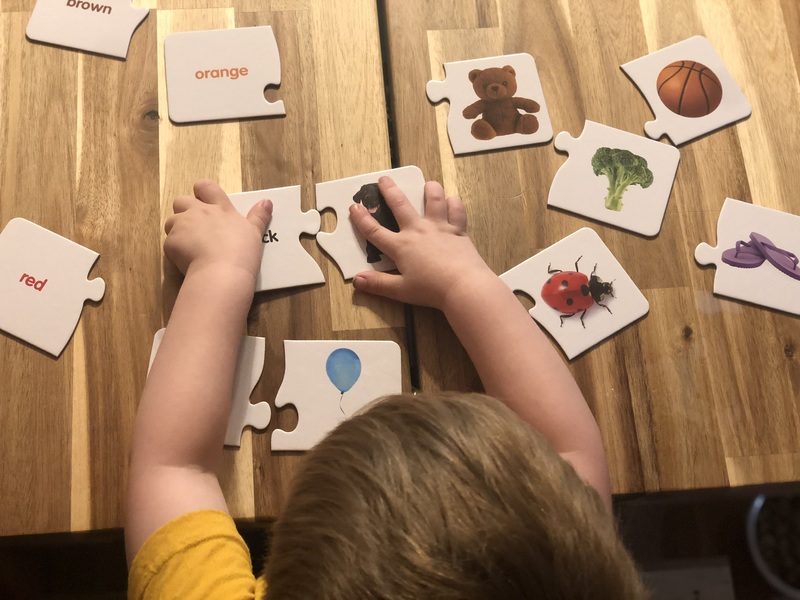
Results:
<point x="564" y="142"/>
<point x="706" y="255"/>
<point x="249" y="366"/>
<point x="309" y="387"/>
<point x="43" y="284"/>
<point x="436" y="90"/>
<point x="105" y="26"/>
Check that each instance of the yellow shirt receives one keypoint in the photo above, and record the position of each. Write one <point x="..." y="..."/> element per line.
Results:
<point x="197" y="555"/>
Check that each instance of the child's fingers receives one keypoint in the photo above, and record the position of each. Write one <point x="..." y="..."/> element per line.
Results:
<point x="371" y="229"/>
<point x="211" y="193"/>
<point x="435" y="203"/>
<point x="380" y="284"/>
<point x="261" y="214"/>
<point x="183" y="203"/>
<point x="170" y="223"/>
<point x="456" y="213"/>
<point x="397" y="201"/>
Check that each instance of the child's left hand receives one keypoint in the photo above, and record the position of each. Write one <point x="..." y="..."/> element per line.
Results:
<point x="206" y="231"/>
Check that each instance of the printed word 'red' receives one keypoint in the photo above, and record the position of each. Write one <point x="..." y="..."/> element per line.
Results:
<point x="91" y="6"/>
<point x="233" y="73"/>
<point x="30" y="281"/>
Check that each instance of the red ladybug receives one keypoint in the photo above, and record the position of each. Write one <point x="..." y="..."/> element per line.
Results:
<point x="571" y="292"/>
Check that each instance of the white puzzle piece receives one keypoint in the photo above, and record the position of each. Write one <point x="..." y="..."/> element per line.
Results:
<point x="285" y="262"/>
<point x="249" y="365"/>
<point x="328" y="381"/>
<point x="616" y="177"/>
<point x="756" y="256"/>
<point x="43" y="284"/>
<point x="102" y="26"/>
<point x="495" y="102"/>
<point x="221" y="74"/>
<point x="689" y="90"/>
<point x="346" y="246"/>
<point x="561" y="298"/>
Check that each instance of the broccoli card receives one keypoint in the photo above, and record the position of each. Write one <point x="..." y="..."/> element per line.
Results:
<point x="615" y="177"/>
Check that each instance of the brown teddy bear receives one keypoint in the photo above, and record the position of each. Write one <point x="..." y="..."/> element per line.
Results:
<point x="496" y="88"/>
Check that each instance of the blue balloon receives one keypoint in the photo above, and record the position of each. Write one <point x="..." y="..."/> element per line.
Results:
<point x="343" y="368"/>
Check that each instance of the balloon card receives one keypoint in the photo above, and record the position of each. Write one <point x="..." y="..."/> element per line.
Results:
<point x="221" y="74"/>
<point x="756" y="256"/>
<point x="249" y="365"/>
<point x="495" y="102"/>
<point x="582" y="294"/>
<point x="285" y="263"/>
<point x="43" y="284"/>
<point x="329" y="381"/>
<point x="615" y="177"/>
<point x="689" y="90"/>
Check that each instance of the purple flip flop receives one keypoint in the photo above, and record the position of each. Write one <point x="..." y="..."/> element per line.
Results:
<point x="784" y="261"/>
<point x="745" y="256"/>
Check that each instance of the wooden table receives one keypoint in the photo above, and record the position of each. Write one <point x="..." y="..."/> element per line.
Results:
<point x="701" y="393"/>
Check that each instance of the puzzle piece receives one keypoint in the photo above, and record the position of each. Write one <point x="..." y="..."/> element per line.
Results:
<point x="689" y="90"/>
<point x="640" y="206"/>
<point x="329" y="381"/>
<point x="495" y="102"/>
<point x="764" y="270"/>
<point x="249" y="365"/>
<point x="43" y="284"/>
<point x="603" y="302"/>
<point x="285" y="262"/>
<point x="221" y="74"/>
<point x="346" y="246"/>
<point x="102" y="26"/>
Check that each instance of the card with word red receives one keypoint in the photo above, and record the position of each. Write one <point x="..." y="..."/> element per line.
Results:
<point x="756" y="256"/>
<point x="221" y="74"/>
<point x="249" y="365"/>
<point x="689" y="90"/>
<point x="43" y="284"/>
<point x="346" y="246"/>
<point x="329" y="381"/>
<point x="105" y="26"/>
<point x="285" y="263"/>
<point x="495" y="102"/>
<point x="616" y="177"/>
<point x="582" y="294"/>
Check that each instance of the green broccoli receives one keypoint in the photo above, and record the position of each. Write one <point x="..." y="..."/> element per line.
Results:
<point x="623" y="168"/>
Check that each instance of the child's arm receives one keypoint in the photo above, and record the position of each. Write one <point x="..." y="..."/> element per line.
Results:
<point x="439" y="267"/>
<point x="183" y="413"/>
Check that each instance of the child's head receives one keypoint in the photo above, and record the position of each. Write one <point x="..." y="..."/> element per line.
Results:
<point x="445" y="496"/>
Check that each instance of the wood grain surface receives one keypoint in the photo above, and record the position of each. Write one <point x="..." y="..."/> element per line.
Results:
<point x="700" y="393"/>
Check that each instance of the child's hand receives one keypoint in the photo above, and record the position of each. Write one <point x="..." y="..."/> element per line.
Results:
<point x="207" y="231"/>
<point x="433" y="254"/>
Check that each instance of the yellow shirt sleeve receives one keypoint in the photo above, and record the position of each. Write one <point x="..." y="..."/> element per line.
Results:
<point x="197" y="555"/>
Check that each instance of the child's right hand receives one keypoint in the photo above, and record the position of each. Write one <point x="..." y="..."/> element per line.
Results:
<point x="436" y="259"/>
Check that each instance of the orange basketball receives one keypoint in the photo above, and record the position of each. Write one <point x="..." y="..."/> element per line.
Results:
<point x="689" y="89"/>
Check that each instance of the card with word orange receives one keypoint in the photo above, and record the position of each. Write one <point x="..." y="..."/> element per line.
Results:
<point x="221" y="74"/>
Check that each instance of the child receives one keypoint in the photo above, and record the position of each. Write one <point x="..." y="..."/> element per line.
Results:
<point x="430" y="496"/>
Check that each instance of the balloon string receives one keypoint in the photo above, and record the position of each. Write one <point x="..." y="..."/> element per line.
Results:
<point x="340" y="403"/>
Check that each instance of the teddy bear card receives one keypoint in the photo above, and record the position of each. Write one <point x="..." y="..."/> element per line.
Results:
<point x="495" y="102"/>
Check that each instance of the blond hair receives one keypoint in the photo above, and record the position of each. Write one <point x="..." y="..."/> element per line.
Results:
<point x="447" y="497"/>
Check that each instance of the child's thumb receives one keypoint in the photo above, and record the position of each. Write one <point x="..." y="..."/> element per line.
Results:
<point x="261" y="214"/>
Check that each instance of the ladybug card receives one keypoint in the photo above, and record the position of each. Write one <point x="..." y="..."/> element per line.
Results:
<point x="582" y="294"/>
<point x="756" y="256"/>
<point x="689" y="90"/>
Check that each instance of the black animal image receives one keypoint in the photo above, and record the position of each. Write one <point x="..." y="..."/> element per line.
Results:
<point x="370" y="197"/>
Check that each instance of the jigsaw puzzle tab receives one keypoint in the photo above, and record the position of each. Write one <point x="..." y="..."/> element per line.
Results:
<point x="346" y="246"/>
<point x="329" y="381"/>
<point x="249" y="365"/>
<point x="495" y="102"/>
<point x="221" y="74"/>
<point x="689" y="90"/>
<point x="43" y="284"/>
<point x="756" y="256"/>
<point x="285" y="262"/>
<point x="104" y="26"/>
<point x="582" y="294"/>
<point x="615" y="177"/>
